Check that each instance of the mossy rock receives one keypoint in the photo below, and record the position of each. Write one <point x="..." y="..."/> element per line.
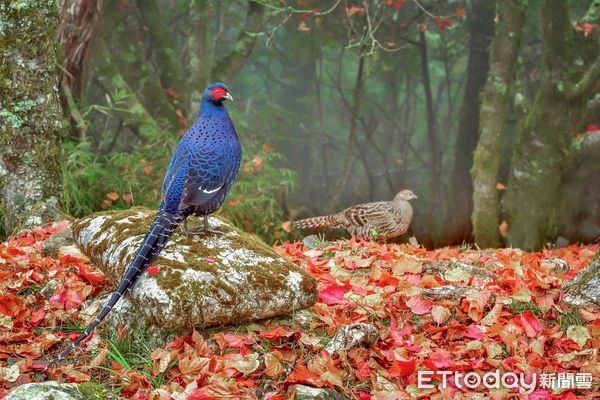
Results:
<point x="303" y="392"/>
<point x="202" y="281"/>
<point x="584" y="289"/>
<point x="50" y="390"/>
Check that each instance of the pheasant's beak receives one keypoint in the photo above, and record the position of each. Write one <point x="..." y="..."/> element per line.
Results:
<point x="228" y="97"/>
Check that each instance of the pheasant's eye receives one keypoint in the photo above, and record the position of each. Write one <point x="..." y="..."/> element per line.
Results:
<point x="218" y="92"/>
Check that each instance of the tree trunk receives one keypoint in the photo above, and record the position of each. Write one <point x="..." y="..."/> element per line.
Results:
<point x="539" y="160"/>
<point x="354" y="114"/>
<point x="142" y="79"/>
<point x="481" y="30"/>
<point x="435" y="156"/>
<point x="77" y="31"/>
<point x="580" y="210"/>
<point x="494" y="105"/>
<point x="31" y="117"/>
<point x="230" y="65"/>
<point x="584" y="290"/>
<point x="78" y="23"/>
<point x="133" y="112"/>
<point x="199" y="49"/>
<point x="162" y="41"/>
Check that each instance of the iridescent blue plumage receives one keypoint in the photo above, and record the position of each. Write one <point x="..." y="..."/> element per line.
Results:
<point x="199" y="177"/>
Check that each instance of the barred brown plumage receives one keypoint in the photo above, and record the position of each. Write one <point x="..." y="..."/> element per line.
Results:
<point x="387" y="218"/>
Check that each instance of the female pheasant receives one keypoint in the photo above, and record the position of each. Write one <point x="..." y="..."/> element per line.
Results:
<point x="199" y="177"/>
<point x="387" y="219"/>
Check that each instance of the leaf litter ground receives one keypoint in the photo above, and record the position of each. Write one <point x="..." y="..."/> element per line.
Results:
<point x="503" y="311"/>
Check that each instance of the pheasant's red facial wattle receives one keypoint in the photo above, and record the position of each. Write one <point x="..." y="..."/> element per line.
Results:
<point x="218" y="93"/>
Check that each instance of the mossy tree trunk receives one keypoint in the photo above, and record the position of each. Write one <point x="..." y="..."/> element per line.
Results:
<point x="31" y="117"/>
<point x="480" y="25"/>
<point x="494" y="106"/>
<point x="570" y="69"/>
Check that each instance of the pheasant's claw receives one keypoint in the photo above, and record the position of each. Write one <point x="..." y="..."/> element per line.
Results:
<point x="189" y="232"/>
<point x="204" y="230"/>
<point x="213" y="231"/>
<point x="207" y="229"/>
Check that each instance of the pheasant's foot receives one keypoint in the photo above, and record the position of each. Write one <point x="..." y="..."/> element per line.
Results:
<point x="207" y="229"/>
<point x="191" y="233"/>
<point x="213" y="231"/>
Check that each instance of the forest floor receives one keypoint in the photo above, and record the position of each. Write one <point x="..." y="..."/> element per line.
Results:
<point x="503" y="311"/>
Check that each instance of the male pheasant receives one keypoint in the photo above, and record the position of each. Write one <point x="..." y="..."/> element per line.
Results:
<point x="199" y="177"/>
<point x="387" y="219"/>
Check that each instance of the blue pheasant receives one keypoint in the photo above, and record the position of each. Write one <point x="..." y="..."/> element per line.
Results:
<point x="200" y="175"/>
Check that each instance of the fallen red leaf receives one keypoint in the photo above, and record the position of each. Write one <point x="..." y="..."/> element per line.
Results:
<point x="153" y="270"/>
<point x="401" y="368"/>
<point x="419" y="306"/>
<point x="530" y="323"/>
<point x="332" y="294"/>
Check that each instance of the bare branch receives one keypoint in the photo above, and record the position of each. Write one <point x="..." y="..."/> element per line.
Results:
<point x="587" y="82"/>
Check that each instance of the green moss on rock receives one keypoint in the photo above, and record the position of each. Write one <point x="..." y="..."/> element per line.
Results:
<point x="92" y="391"/>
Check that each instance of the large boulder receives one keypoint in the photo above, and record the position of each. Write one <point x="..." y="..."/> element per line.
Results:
<point x="201" y="281"/>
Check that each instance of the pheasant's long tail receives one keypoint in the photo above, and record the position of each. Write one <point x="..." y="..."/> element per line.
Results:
<point x="162" y="228"/>
<point x="326" y="221"/>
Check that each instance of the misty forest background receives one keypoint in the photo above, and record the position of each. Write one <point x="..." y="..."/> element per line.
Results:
<point x="488" y="110"/>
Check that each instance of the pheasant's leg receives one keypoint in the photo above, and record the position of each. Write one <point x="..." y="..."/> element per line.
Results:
<point x="208" y="230"/>
<point x="197" y="232"/>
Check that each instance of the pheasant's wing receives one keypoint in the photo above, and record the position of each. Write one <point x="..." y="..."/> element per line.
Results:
<point x="207" y="174"/>
<point x="401" y="220"/>
<point x="178" y="161"/>
<point x="209" y="160"/>
<point x="364" y="215"/>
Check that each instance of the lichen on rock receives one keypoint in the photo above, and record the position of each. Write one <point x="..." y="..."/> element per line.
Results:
<point x="584" y="290"/>
<point x="202" y="281"/>
<point x="50" y="390"/>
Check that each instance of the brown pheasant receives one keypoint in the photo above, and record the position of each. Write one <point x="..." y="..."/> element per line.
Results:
<point x="387" y="219"/>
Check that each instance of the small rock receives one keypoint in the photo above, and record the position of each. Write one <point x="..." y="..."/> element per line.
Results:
<point x="305" y="317"/>
<point x="555" y="264"/>
<point x="50" y="390"/>
<point x="584" y="289"/>
<point x="302" y="392"/>
<point x="413" y="241"/>
<point x="72" y="251"/>
<point x="441" y="266"/>
<point x="349" y="336"/>
<point x="58" y="240"/>
<point x="314" y="242"/>
<point x="444" y="292"/>
<point x="561" y="242"/>
<point x="48" y="290"/>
